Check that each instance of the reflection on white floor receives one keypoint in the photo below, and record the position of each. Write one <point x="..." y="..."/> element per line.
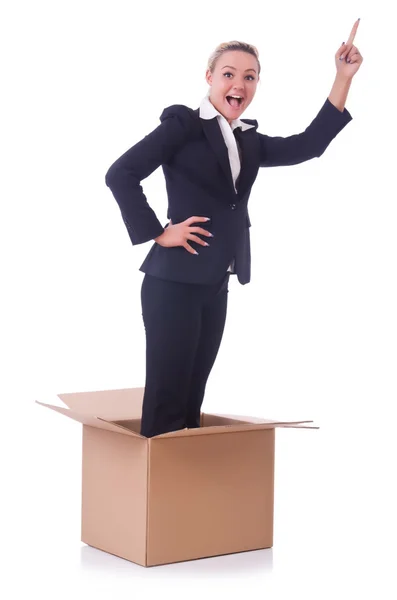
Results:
<point x="259" y="561"/>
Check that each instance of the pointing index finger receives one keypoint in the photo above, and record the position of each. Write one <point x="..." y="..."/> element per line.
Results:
<point x="353" y="32"/>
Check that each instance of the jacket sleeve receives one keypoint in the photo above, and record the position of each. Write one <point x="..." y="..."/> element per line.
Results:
<point x="137" y="163"/>
<point x="311" y="143"/>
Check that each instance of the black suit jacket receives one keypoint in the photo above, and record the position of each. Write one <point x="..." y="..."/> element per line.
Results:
<point x="195" y="162"/>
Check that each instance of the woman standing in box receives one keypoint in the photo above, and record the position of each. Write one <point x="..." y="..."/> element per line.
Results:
<point x="210" y="159"/>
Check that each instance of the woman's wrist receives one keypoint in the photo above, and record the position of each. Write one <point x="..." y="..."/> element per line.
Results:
<point x="339" y="91"/>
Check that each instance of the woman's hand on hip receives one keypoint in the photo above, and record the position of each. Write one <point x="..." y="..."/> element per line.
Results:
<point x="179" y="234"/>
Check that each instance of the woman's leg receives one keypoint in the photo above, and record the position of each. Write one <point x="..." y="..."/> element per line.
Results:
<point x="213" y="318"/>
<point x="172" y="318"/>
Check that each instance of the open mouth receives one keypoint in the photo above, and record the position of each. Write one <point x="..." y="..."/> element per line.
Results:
<point x="234" y="102"/>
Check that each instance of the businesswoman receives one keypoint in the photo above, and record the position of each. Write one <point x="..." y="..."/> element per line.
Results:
<point x="210" y="158"/>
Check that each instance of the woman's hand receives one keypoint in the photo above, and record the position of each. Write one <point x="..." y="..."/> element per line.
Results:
<point x="177" y="235"/>
<point x="348" y="58"/>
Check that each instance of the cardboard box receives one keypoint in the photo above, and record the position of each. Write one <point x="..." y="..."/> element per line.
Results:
<point x="174" y="497"/>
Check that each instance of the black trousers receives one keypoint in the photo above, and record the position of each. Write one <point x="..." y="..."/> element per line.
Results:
<point x="184" y="324"/>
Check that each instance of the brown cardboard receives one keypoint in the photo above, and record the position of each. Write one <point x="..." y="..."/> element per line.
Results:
<point x="179" y="496"/>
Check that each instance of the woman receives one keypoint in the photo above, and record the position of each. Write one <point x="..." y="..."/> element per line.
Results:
<point x="210" y="159"/>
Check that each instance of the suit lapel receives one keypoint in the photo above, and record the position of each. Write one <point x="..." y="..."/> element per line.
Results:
<point x="249" y="146"/>
<point x="247" y="141"/>
<point x="214" y="136"/>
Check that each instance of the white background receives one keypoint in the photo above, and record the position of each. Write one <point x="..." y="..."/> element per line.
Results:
<point x="313" y="336"/>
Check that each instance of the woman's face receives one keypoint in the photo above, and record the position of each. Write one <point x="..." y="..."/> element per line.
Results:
<point x="235" y="74"/>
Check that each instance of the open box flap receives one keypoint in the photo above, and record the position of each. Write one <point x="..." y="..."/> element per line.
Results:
<point x="210" y="430"/>
<point x="87" y="419"/>
<point x="111" y="405"/>
<point x="212" y="419"/>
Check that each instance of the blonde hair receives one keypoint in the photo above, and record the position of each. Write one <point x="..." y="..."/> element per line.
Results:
<point x="234" y="45"/>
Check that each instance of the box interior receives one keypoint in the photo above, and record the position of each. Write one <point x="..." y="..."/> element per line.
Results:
<point x="206" y="420"/>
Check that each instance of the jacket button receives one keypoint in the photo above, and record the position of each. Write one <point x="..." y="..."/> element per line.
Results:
<point x="232" y="206"/>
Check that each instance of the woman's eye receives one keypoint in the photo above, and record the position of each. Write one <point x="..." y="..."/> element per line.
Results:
<point x="228" y="73"/>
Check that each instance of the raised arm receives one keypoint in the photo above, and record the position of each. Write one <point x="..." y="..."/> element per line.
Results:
<point x="294" y="149"/>
<point x="331" y="119"/>
<point x="137" y="163"/>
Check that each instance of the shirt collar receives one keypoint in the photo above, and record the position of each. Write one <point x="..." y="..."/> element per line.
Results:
<point x="208" y="111"/>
